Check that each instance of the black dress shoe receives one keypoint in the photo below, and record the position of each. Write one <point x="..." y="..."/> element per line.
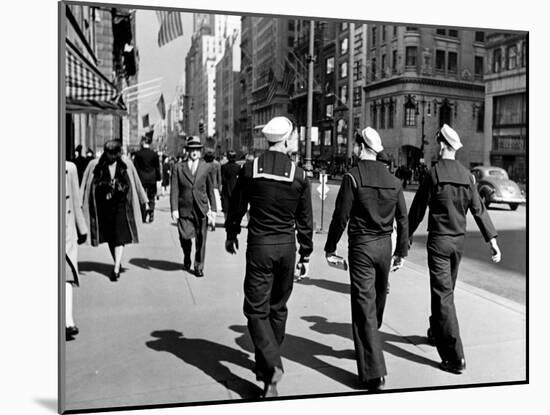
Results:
<point x="199" y="273"/>
<point x="70" y="332"/>
<point x="114" y="276"/>
<point x="453" y="367"/>
<point x="270" y="387"/>
<point x="374" y="384"/>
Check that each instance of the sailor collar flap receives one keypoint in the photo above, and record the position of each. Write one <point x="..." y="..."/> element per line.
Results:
<point x="451" y="171"/>
<point x="375" y="174"/>
<point x="274" y="166"/>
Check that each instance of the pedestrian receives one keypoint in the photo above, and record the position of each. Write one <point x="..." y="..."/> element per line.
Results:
<point x="370" y="198"/>
<point x="229" y="173"/>
<point x="279" y="195"/>
<point x="80" y="162"/>
<point x="191" y="192"/>
<point x="75" y="234"/>
<point x="450" y="191"/>
<point x="147" y="165"/>
<point x="112" y="193"/>
<point x="166" y="169"/>
<point x="216" y="177"/>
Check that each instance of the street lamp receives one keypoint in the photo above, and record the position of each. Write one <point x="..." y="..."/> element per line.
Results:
<point x="423" y="138"/>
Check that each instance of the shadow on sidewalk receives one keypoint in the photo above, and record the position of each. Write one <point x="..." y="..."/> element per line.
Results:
<point x="158" y="264"/>
<point x="321" y="325"/>
<point x="304" y="352"/>
<point x="99" y="267"/>
<point x="339" y="287"/>
<point x="208" y="357"/>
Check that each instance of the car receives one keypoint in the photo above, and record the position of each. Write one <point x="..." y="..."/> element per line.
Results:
<point x="494" y="186"/>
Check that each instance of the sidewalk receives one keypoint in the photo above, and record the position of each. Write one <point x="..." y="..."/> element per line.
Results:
<point x="160" y="335"/>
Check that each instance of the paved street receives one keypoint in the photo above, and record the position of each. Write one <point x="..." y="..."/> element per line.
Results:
<point x="160" y="335"/>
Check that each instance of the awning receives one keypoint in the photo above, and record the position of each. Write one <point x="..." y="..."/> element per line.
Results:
<point x="86" y="88"/>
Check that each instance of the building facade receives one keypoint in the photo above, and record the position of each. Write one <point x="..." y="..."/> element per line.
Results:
<point x="506" y="139"/>
<point x="228" y="95"/>
<point x="419" y="78"/>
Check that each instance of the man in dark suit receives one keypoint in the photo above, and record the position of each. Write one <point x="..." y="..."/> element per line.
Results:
<point x="191" y="198"/>
<point x="230" y="172"/>
<point x="147" y="165"/>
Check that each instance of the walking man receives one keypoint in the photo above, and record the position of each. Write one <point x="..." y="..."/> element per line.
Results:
<point x="370" y="197"/>
<point x="147" y="165"/>
<point x="191" y="199"/>
<point x="229" y="173"/>
<point x="450" y="191"/>
<point x="279" y="195"/>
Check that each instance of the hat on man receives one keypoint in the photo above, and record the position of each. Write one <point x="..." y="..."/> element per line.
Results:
<point x="372" y="139"/>
<point x="277" y="129"/>
<point x="451" y="137"/>
<point x="193" y="142"/>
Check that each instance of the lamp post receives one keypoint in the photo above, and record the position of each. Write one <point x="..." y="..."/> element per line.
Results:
<point x="311" y="59"/>
<point x="422" y="142"/>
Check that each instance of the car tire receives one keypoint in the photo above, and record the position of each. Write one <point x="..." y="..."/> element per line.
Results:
<point x="513" y="206"/>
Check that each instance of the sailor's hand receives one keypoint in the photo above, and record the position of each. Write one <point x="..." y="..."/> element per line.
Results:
<point x="397" y="262"/>
<point x="495" y="251"/>
<point x="301" y="271"/>
<point x="232" y="246"/>
<point x="175" y="215"/>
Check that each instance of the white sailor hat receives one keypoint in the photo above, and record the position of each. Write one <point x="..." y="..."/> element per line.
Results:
<point x="451" y="137"/>
<point x="372" y="139"/>
<point x="277" y="129"/>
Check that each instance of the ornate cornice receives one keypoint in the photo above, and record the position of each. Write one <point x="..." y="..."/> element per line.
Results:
<point x="425" y="81"/>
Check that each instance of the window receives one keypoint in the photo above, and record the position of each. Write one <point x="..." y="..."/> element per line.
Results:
<point x="394" y="61"/>
<point x="478" y="66"/>
<point x="327" y="138"/>
<point x="452" y="63"/>
<point x="511" y="57"/>
<point x="497" y="57"/>
<point x="290" y="41"/>
<point x="390" y="114"/>
<point x="343" y="94"/>
<point x="440" y="60"/>
<point x="329" y="110"/>
<point x="382" y="116"/>
<point x="374" y="115"/>
<point x="373" y="69"/>
<point x="479" y="37"/>
<point x="453" y="33"/>
<point x="329" y="63"/>
<point x="523" y="53"/>
<point x="357" y="96"/>
<point x="344" y="46"/>
<point x="394" y="31"/>
<point x="358" y="70"/>
<point x="411" y="29"/>
<point x="410" y="113"/>
<point x="480" y="118"/>
<point x="509" y="110"/>
<point x="383" y="67"/>
<point x="383" y="33"/>
<point x="291" y="25"/>
<point x="441" y="32"/>
<point x="344" y="70"/>
<point x="410" y="56"/>
<point x="373" y="36"/>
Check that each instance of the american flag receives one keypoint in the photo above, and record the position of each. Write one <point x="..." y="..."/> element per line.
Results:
<point x="170" y="26"/>
<point x="273" y="85"/>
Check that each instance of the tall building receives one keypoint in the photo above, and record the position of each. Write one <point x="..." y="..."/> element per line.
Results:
<point x="246" y="126"/>
<point x="207" y="48"/>
<point x="419" y="78"/>
<point x="228" y="95"/>
<point x="506" y="103"/>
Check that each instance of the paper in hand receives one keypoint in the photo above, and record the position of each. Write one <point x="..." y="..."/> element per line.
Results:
<point x="338" y="262"/>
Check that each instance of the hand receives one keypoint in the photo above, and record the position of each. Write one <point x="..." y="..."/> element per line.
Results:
<point x="232" y="246"/>
<point x="410" y="242"/>
<point x="330" y="254"/>
<point x="397" y="262"/>
<point x="495" y="251"/>
<point x="175" y="215"/>
<point x="82" y="238"/>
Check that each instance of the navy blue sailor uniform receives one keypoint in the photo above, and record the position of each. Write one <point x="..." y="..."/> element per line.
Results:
<point x="450" y="191"/>
<point x="279" y="195"/>
<point x="370" y="198"/>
